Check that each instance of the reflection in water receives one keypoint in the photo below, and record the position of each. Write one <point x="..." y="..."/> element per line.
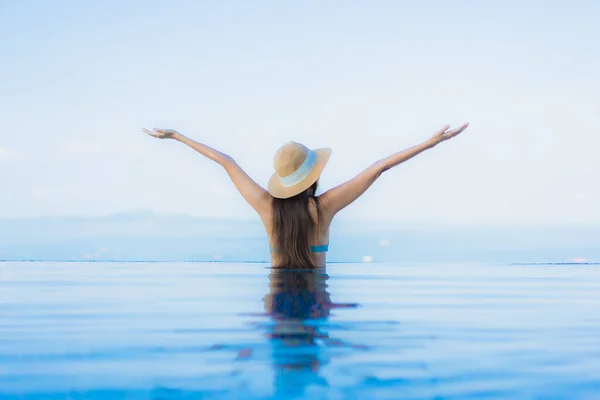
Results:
<point x="299" y="305"/>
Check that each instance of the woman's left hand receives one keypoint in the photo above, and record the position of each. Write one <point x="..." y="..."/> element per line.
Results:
<point x="445" y="134"/>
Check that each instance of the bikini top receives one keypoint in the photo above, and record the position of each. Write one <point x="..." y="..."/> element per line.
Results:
<point x="315" y="249"/>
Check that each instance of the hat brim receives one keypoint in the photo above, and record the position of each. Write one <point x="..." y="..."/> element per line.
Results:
<point x="276" y="189"/>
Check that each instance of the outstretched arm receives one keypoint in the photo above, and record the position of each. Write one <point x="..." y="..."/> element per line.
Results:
<point x="343" y="195"/>
<point x="253" y="193"/>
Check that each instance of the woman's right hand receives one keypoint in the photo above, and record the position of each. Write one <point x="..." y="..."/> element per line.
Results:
<point x="161" y="133"/>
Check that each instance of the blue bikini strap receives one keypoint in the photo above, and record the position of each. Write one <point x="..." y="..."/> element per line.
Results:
<point x="315" y="249"/>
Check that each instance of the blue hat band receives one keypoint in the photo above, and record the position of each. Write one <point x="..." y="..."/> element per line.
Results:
<point x="301" y="173"/>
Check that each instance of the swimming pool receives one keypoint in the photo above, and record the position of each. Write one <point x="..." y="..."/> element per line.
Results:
<point x="234" y="330"/>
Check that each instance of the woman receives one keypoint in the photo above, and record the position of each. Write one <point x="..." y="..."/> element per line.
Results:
<point x="296" y="219"/>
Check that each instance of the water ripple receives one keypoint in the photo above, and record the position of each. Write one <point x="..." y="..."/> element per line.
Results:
<point x="187" y="331"/>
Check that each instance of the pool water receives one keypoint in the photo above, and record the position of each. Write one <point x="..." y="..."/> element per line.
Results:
<point x="244" y="331"/>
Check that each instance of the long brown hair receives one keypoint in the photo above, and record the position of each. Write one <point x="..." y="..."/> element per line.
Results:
<point x="293" y="226"/>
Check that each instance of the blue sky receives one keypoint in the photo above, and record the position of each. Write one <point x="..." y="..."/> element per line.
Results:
<point x="79" y="79"/>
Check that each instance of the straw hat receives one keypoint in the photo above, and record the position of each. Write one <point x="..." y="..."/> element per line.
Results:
<point x="296" y="169"/>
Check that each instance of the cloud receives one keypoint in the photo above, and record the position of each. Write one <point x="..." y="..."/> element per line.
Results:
<point x="84" y="148"/>
<point x="41" y="192"/>
<point x="94" y="148"/>
<point x="7" y="155"/>
<point x="98" y="254"/>
<point x="581" y="196"/>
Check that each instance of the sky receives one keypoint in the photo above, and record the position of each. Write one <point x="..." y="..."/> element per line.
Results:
<point x="78" y="80"/>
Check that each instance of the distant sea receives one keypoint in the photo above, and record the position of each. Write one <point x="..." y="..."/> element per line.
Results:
<point x="149" y="236"/>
